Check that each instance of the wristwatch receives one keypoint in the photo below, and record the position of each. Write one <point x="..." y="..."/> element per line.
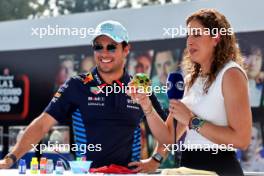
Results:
<point x="157" y="157"/>
<point x="11" y="157"/>
<point x="196" y="123"/>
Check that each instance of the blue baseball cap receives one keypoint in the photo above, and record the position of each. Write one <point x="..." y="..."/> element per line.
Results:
<point x="112" y="29"/>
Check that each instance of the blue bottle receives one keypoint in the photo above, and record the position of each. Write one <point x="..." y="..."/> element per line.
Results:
<point x="22" y="166"/>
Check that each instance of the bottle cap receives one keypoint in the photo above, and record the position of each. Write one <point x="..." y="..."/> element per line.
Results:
<point x="22" y="162"/>
<point x="34" y="159"/>
<point x="59" y="163"/>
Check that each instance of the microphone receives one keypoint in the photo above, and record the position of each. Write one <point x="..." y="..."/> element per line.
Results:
<point x="175" y="86"/>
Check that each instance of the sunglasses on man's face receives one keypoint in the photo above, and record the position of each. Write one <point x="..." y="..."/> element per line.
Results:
<point x="99" y="48"/>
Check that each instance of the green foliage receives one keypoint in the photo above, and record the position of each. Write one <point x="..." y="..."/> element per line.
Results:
<point x="21" y="9"/>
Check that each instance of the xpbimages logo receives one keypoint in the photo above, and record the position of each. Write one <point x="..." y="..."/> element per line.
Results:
<point x="116" y="89"/>
<point x="181" y="31"/>
<point x="56" y="30"/>
<point x="82" y="148"/>
<point x="188" y="146"/>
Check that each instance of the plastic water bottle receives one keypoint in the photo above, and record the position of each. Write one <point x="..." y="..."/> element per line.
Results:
<point x="43" y="166"/>
<point x="22" y="166"/>
<point x="59" y="168"/>
<point x="34" y="166"/>
<point x="50" y="166"/>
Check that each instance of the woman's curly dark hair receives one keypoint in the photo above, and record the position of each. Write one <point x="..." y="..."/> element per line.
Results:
<point x="225" y="50"/>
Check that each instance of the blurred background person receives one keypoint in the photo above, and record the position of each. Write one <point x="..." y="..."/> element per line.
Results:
<point x="87" y="64"/>
<point x="164" y="64"/>
<point x="66" y="70"/>
<point x="255" y="76"/>
<point x="251" y="160"/>
<point x="6" y="72"/>
<point x="140" y="62"/>
<point x="143" y="63"/>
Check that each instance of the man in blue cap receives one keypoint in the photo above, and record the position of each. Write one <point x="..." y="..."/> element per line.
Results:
<point x="108" y="124"/>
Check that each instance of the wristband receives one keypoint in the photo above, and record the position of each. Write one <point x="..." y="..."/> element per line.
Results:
<point x="11" y="156"/>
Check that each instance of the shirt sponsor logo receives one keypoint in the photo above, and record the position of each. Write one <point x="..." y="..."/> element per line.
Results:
<point x="97" y="78"/>
<point x="57" y="95"/>
<point x="88" y="78"/>
<point x="95" y="90"/>
<point x="132" y="105"/>
<point x="63" y="87"/>
<point x="96" y="101"/>
<point x="102" y="99"/>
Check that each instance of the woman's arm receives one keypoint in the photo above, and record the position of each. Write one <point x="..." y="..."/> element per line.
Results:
<point x="238" y="131"/>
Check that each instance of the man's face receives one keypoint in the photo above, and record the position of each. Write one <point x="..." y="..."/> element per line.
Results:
<point x="111" y="57"/>
<point x="68" y="65"/>
<point x="87" y="64"/>
<point x="143" y="65"/>
<point x="164" y="65"/>
<point x="254" y="64"/>
<point x="66" y="71"/>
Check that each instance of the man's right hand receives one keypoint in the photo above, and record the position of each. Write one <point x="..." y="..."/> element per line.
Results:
<point x="6" y="163"/>
<point x="32" y="135"/>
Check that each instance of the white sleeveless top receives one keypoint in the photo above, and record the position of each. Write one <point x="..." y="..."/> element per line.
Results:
<point x="209" y="107"/>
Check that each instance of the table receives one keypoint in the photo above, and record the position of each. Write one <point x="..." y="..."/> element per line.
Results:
<point x="14" y="172"/>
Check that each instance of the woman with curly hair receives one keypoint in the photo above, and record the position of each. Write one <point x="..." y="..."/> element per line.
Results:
<point x="215" y="110"/>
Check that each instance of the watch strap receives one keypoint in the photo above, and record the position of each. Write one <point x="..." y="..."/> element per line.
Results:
<point x="12" y="157"/>
<point x="157" y="157"/>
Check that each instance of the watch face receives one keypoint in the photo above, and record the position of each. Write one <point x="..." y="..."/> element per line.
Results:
<point x="195" y="122"/>
<point x="158" y="157"/>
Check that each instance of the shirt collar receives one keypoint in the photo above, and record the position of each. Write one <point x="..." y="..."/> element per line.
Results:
<point x="99" y="81"/>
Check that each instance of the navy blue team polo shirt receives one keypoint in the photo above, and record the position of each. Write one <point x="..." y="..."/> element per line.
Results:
<point x="111" y="123"/>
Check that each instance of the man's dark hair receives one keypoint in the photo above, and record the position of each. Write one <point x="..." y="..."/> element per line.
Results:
<point x="124" y="44"/>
